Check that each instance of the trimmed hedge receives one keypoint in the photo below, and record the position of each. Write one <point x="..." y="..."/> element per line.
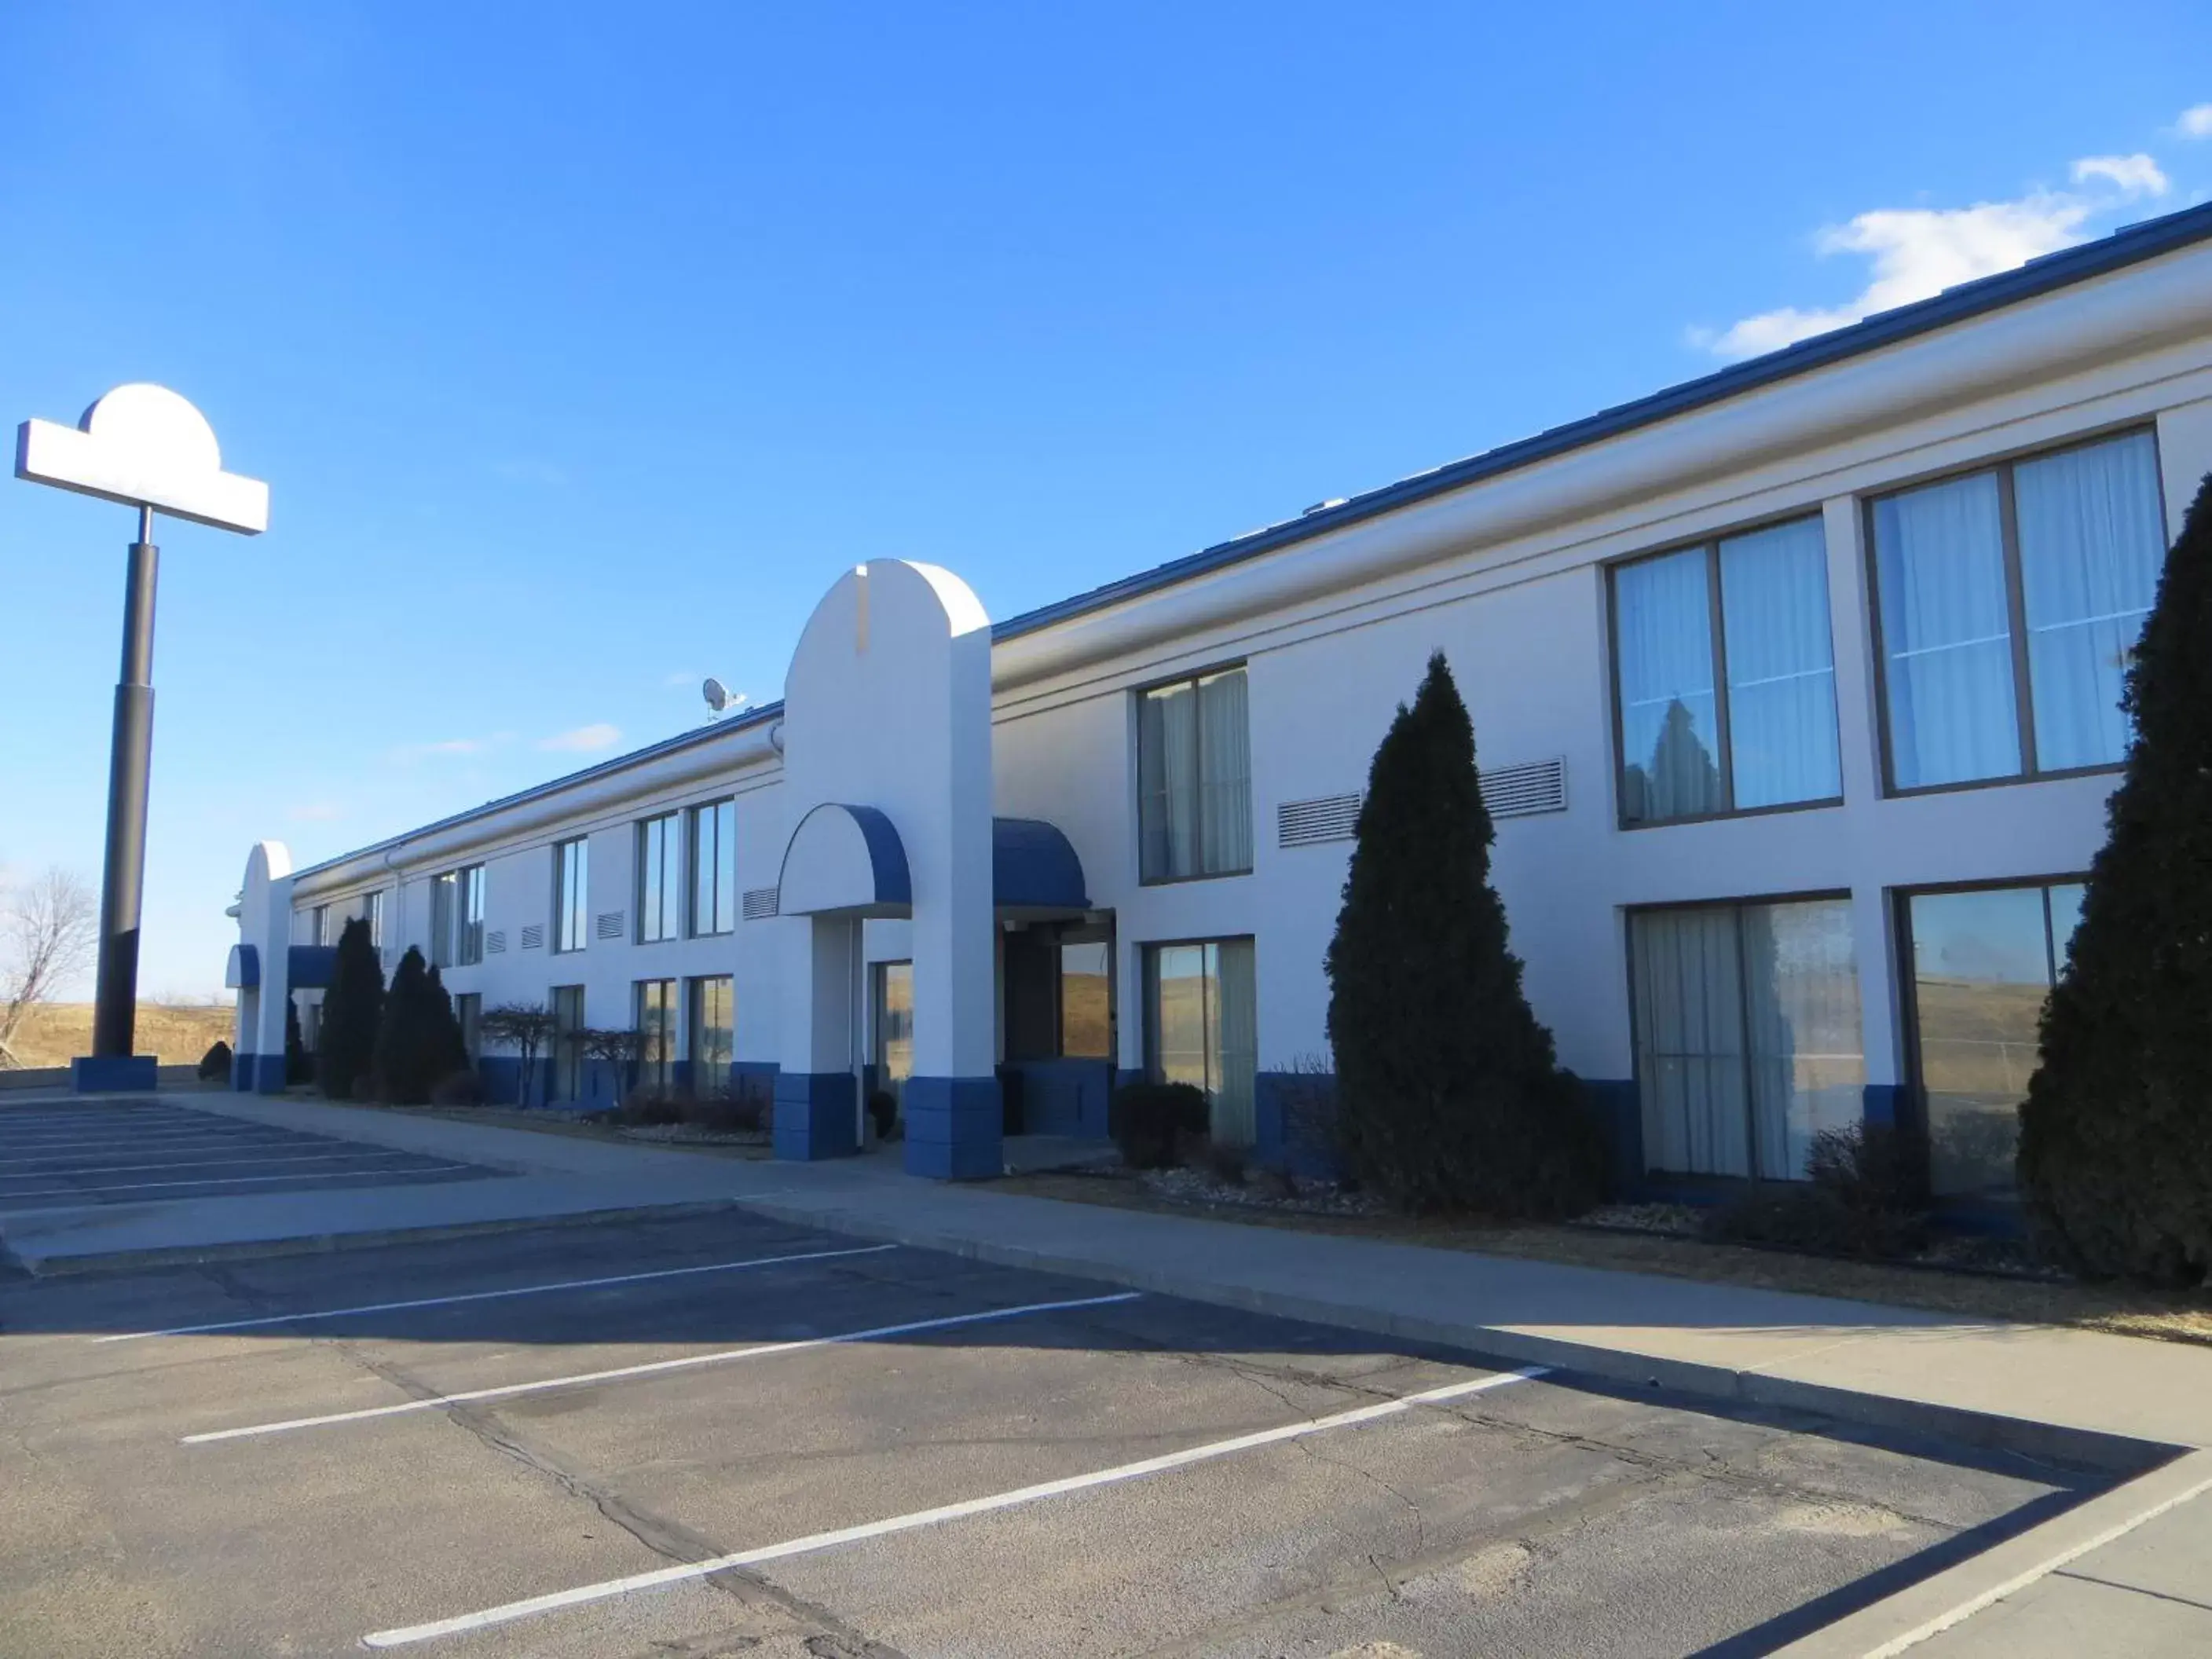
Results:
<point x="1151" y="1121"/>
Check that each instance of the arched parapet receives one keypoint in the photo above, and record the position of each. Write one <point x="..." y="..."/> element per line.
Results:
<point x="844" y="861"/>
<point x="259" y="969"/>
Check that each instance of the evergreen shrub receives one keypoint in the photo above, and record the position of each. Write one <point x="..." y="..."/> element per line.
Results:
<point x="1151" y="1119"/>
<point x="215" y="1064"/>
<point x="353" y="1014"/>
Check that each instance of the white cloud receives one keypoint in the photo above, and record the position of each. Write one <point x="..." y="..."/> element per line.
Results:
<point x="314" y="812"/>
<point x="1914" y="252"/>
<point x="681" y="677"/>
<point x="2134" y="175"/>
<point x="2195" y="123"/>
<point x="585" y="739"/>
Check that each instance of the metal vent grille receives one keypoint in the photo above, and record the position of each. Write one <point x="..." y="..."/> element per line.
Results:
<point x="759" y="903"/>
<point x="494" y="942"/>
<point x="1309" y="823"/>
<point x="610" y="924"/>
<point x="1520" y="791"/>
<point x="533" y="938"/>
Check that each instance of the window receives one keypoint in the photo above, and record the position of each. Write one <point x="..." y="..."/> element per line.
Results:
<point x="714" y="868"/>
<point x="894" y="1027"/>
<point x="468" y="1010"/>
<point x="1747" y="1038"/>
<point x="371" y="910"/>
<point x="1747" y="614"/>
<point x="2009" y="602"/>
<point x="443" y="891"/>
<point x="468" y="939"/>
<point x="572" y="861"/>
<point x="1057" y="992"/>
<point x="567" y="1050"/>
<point x="319" y="925"/>
<point x="1087" y="998"/>
<point x="1202" y="1029"/>
<point x="1195" y="778"/>
<point x="311" y="1025"/>
<point x="659" y="877"/>
<point x="1983" y="961"/>
<point x="656" y="1024"/>
<point x="712" y="1031"/>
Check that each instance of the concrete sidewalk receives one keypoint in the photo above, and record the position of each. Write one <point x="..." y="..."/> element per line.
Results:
<point x="2123" y="1573"/>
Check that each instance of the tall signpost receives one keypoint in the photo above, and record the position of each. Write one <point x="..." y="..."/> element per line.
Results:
<point x="148" y="448"/>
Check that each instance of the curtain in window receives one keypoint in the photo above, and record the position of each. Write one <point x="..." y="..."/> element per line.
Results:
<point x="1802" y="999"/>
<point x="1167" y="753"/>
<point x="1689" y="1039"/>
<point x="1237" y="1044"/>
<point x="1781" y="665"/>
<point x="2092" y="545"/>
<point x="1946" y="633"/>
<point x="1670" y="739"/>
<point x="1225" y="788"/>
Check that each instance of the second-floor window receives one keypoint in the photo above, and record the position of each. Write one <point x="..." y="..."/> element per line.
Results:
<point x="372" y="911"/>
<point x="659" y="877"/>
<point x="469" y="917"/>
<point x="714" y="867"/>
<point x="1725" y="677"/>
<point x="1195" y="778"/>
<point x="2009" y="602"/>
<point x="571" y="893"/>
<point x="444" y="891"/>
<point x="319" y="925"/>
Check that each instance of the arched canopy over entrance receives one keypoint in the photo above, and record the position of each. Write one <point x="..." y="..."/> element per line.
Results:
<point x="844" y="861"/>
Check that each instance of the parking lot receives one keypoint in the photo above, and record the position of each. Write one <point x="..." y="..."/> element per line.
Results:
<point x="55" y="1154"/>
<point x="721" y="1435"/>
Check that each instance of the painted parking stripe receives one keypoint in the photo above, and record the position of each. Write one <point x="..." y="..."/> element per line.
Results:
<point x="175" y="1139"/>
<point x="229" y="1161"/>
<point x="490" y="1296"/>
<point x="409" y="1634"/>
<point x="228" y="1180"/>
<point x="657" y="1367"/>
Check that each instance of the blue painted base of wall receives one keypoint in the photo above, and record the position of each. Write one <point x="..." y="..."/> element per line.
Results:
<point x="1885" y="1102"/>
<point x="1065" y="1097"/>
<point x="954" y="1127"/>
<point x="108" y="1074"/>
<point x="814" y="1115"/>
<point x="1293" y="1114"/>
<point x="241" y="1073"/>
<point x="268" y="1075"/>
<point x="1619" y="1109"/>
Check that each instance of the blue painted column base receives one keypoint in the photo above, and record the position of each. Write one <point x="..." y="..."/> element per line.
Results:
<point x="267" y="1074"/>
<point x="955" y="1128"/>
<point x="816" y="1115"/>
<point x="108" y="1074"/>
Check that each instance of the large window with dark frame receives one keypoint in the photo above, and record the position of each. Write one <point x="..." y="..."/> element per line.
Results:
<point x="711" y="1017"/>
<point x="469" y="917"/>
<point x="1983" y="960"/>
<point x="1202" y="1027"/>
<point x="371" y="910"/>
<point x="444" y="891"/>
<point x="2007" y="605"/>
<point x="1195" y="778"/>
<point x="714" y="868"/>
<point x="1747" y="1034"/>
<point x="572" y="891"/>
<point x="567" y="1042"/>
<point x="654" y="1011"/>
<point x="1724" y="677"/>
<point x="659" y="877"/>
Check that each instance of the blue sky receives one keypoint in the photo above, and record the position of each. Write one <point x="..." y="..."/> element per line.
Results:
<point x="583" y="346"/>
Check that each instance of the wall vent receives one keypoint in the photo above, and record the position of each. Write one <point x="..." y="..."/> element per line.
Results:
<point x="495" y="942"/>
<point x="1310" y="823"/>
<point x="533" y="938"/>
<point x="1524" y="791"/>
<point x="610" y="924"/>
<point x="759" y="903"/>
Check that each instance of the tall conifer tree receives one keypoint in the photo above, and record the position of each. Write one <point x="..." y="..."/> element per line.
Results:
<point x="1451" y="1093"/>
<point x="2116" y="1133"/>
<point x="353" y="1012"/>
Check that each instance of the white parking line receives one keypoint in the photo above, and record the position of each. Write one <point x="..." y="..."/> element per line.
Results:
<point x="409" y="1634"/>
<point x="177" y="1141"/>
<point x="760" y="1350"/>
<point x="488" y="1296"/>
<point x="225" y="1181"/>
<point x="78" y="1167"/>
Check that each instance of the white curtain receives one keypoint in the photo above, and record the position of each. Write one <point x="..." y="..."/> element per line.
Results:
<point x="2092" y="545"/>
<point x="1946" y="633"/>
<point x="1689" y="1041"/>
<point x="1669" y="740"/>
<point x="1781" y="665"/>
<point x="1237" y="1042"/>
<point x="1167" y="760"/>
<point x="1801" y="986"/>
<point x="1225" y="786"/>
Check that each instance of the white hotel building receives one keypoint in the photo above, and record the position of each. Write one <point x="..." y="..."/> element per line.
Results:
<point x="1794" y="687"/>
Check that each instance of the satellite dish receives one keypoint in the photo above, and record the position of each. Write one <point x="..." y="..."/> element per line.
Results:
<point x="720" y="697"/>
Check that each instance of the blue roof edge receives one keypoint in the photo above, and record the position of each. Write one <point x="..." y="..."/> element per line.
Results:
<point x="2130" y="245"/>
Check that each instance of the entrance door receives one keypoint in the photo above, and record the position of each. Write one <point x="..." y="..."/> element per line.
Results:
<point x="894" y="1029"/>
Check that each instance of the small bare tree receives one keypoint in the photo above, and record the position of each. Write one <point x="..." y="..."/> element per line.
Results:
<point x="525" y="1027"/>
<point x="46" y="934"/>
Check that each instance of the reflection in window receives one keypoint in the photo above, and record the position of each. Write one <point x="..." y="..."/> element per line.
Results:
<point x="1747" y="1040"/>
<point x="714" y="867"/>
<point x="1086" y="999"/>
<point x="1687" y="751"/>
<point x="659" y="877"/>
<point x="1202" y="1027"/>
<point x="444" y="891"/>
<point x="712" y="1033"/>
<point x="893" y="1026"/>
<point x="469" y="938"/>
<point x="1195" y="778"/>
<point x="2066" y="547"/>
<point x="567" y="1050"/>
<point x="655" y="1025"/>
<point x="571" y="892"/>
<point x="1983" y="965"/>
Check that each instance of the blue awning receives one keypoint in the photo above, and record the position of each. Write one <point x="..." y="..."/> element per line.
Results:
<point x="1033" y="867"/>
